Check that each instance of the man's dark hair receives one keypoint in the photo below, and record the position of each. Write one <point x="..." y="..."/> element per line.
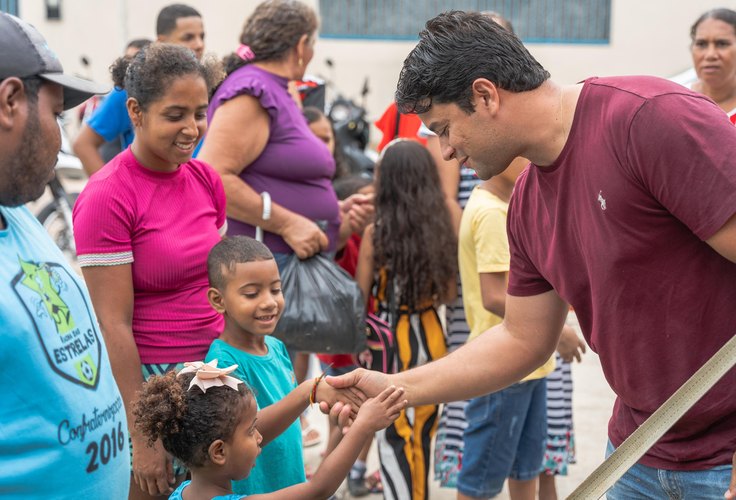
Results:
<point x="138" y="43"/>
<point x="166" y="21"/>
<point x="350" y="184"/>
<point x="31" y="86"/>
<point x="455" y="49"/>
<point x="231" y="251"/>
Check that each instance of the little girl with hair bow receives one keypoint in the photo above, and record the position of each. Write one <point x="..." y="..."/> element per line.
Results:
<point x="207" y="419"/>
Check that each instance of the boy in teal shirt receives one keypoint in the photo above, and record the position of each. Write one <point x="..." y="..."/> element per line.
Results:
<point x="245" y="287"/>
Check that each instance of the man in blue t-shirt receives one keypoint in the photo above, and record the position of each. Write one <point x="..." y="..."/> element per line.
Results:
<point x="178" y="24"/>
<point x="63" y="428"/>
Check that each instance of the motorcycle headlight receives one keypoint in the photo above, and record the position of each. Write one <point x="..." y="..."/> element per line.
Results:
<point x="339" y="112"/>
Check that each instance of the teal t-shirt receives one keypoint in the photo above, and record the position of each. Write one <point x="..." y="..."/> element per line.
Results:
<point x="177" y="494"/>
<point x="63" y="431"/>
<point x="271" y="377"/>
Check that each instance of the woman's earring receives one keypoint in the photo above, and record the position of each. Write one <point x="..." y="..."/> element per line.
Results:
<point x="301" y="62"/>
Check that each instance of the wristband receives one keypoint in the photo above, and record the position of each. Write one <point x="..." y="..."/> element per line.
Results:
<point x="266" y="206"/>
<point x="265" y="215"/>
<point x="313" y="394"/>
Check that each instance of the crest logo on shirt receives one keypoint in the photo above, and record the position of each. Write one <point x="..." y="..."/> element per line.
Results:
<point x="601" y="200"/>
<point x="64" y="325"/>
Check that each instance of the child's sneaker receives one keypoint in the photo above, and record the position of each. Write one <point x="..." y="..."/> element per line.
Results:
<point x="357" y="487"/>
<point x="356" y="481"/>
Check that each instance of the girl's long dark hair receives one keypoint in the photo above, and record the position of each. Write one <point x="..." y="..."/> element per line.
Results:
<point x="414" y="240"/>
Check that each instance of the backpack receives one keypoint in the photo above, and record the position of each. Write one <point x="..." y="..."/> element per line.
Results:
<point x="380" y="354"/>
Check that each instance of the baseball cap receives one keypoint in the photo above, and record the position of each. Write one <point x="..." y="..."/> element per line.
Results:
<point x="25" y="53"/>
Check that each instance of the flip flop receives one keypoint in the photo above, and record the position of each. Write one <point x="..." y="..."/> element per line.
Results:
<point x="374" y="482"/>
<point x="310" y="437"/>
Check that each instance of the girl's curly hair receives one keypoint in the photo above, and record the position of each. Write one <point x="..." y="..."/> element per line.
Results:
<point x="413" y="238"/>
<point x="188" y="421"/>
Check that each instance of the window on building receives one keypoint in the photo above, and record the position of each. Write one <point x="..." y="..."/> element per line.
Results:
<point x="53" y="10"/>
<point x="9" y="6"/>
<point x="535" y="21"/>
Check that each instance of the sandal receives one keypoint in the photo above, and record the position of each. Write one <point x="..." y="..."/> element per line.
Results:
<point x="374" y="482"/>
<point x="310" y="437"/>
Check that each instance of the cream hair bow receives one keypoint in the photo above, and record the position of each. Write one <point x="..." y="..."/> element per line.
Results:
<point x="208" y="375"/>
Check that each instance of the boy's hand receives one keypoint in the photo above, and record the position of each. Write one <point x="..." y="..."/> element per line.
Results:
<point x="330" y="395"/>
<point x="379" y="412"/>
<point x="570" y="346"/>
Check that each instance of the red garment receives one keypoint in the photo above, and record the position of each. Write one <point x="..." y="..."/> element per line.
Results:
<point x="617" y="226"/>
<point x="348" y="260"/>
<point x="408" y="126"/>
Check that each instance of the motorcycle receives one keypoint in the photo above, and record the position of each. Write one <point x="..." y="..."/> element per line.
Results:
<point x="56" y="215"/>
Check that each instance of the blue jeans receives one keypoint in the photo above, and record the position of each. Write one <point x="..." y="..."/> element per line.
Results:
<point x="505" y="437"/>
<point x="642" y="482"/>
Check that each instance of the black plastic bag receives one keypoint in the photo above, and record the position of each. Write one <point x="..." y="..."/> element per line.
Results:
<point x="324" y="310"/>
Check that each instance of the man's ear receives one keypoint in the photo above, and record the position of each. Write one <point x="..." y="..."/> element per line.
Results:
<point x="485" y="95"/>
<point x="134" y="111"/>
<point x="12" y="98"/>
<point x="217" y="301"/>
<point x="217" y="452"/>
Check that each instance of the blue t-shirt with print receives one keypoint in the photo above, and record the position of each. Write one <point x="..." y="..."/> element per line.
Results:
<point x="111" y="120"/>
<point x="177" y="494"/>
<point x="271" y="377"/>
<point x="63" y="431"/>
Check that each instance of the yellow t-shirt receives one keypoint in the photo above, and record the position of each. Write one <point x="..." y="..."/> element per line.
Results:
<point x="483" y="247"/>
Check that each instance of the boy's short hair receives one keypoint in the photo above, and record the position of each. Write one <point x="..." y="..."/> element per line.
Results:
<point x="231" y="251"/>
<point x="166" y="20"/>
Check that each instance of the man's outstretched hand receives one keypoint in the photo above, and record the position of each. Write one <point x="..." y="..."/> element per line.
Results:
<point x="362" y="383"/>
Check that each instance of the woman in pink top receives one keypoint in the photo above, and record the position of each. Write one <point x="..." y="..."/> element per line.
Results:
<point x="144" y="225"/>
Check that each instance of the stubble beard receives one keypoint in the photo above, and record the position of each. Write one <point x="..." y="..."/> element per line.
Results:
<point x="22" y="179"/>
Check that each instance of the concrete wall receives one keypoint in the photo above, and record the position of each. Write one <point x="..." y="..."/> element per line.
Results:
<point x="649" y="37"/>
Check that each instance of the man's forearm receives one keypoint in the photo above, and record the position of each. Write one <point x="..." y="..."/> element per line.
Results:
<point x="494" y="360"/>
<point x="85" y="147"/>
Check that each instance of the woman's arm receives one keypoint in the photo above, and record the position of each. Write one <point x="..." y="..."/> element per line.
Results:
<point x="237" y="136"/>
<point x="86" y="148"/>
<point x="111" y="290"/>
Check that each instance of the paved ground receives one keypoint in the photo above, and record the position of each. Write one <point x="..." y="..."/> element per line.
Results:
<point x="592" y="403"/>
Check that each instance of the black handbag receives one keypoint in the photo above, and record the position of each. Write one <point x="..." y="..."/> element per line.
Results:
<point x="324" y="309"/>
